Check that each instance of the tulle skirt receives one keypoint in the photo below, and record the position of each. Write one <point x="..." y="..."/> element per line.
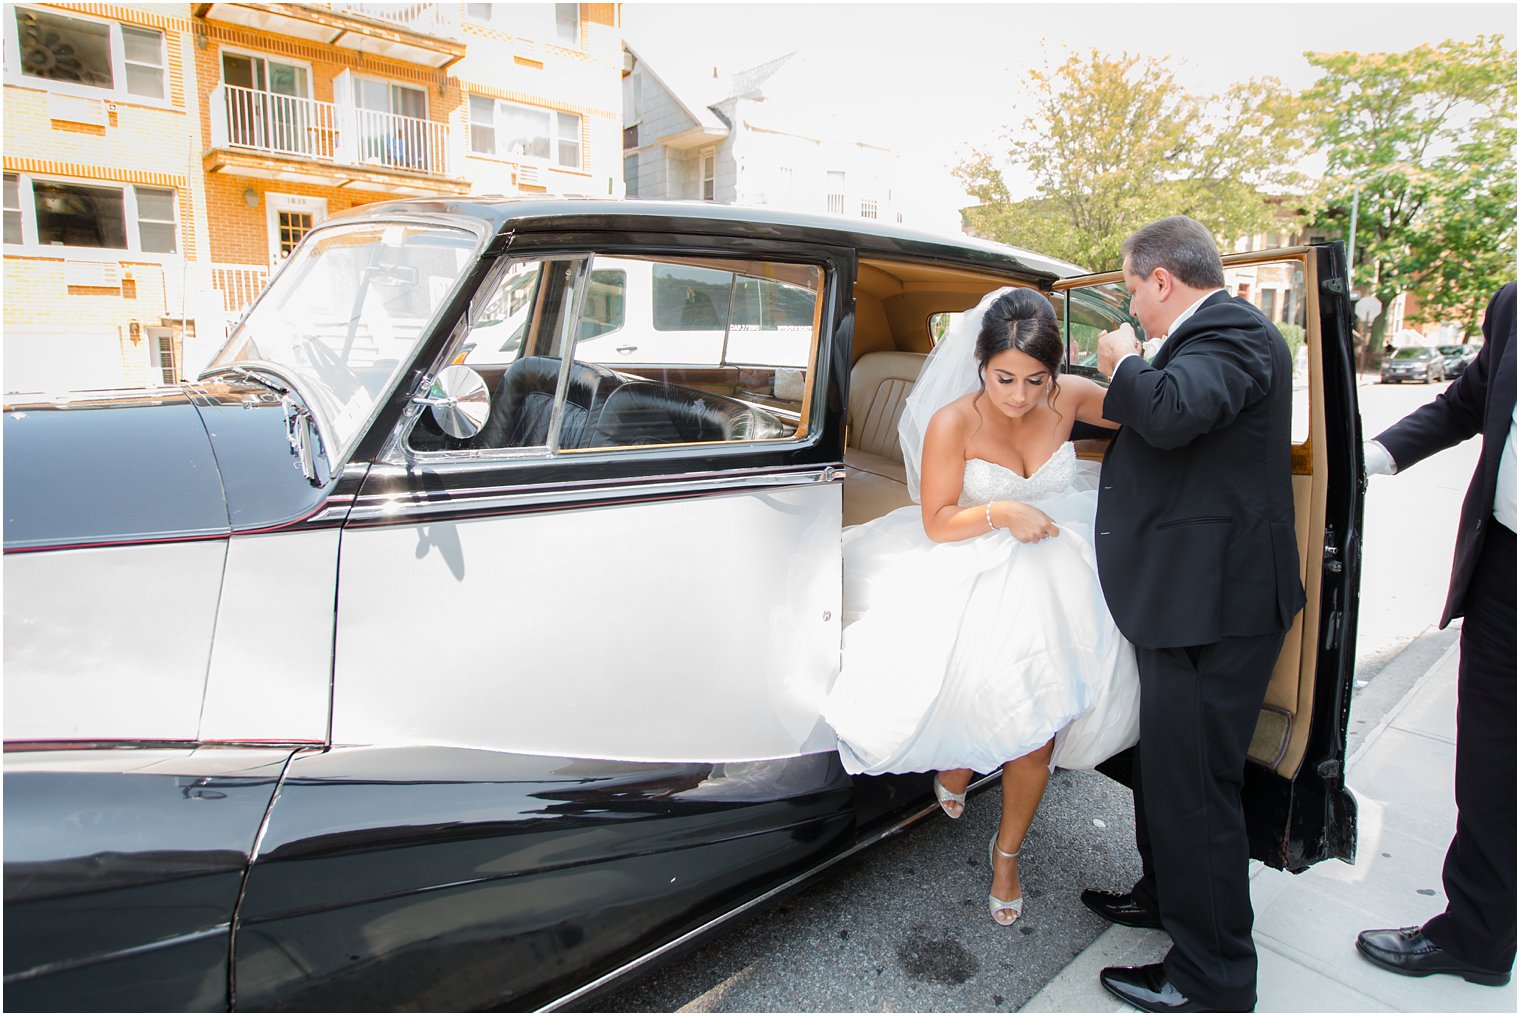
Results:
<point x="973" y="653"/>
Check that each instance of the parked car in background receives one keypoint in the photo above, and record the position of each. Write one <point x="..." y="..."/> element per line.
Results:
<point x="1455" y="359"/>
<point x="433" y="650"/>
<point x="1414" y="363"/>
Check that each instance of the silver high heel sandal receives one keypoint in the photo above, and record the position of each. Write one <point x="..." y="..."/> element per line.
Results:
<point x="947" y="798"/>
<point x="995" y="905"/>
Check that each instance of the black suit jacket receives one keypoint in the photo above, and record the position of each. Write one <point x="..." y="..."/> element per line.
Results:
<point x="1195" y="528"/>
<point x="1481" y="401"/>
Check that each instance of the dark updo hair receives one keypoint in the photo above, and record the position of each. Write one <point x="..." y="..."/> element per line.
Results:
<point x="1021" y="319"/>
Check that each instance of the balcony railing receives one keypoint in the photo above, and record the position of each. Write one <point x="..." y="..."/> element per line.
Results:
<point x="426" y="19"/>
<point x="239" y="285"/>
<point x="259" y="121"/>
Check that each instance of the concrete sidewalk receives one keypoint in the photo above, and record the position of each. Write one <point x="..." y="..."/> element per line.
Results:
<point x="1306" y="925"/>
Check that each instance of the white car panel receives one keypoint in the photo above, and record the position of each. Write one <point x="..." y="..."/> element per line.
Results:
<point x="271" y="669"/>
<point x="109" y="643"/>
<point x="692" y="630"/>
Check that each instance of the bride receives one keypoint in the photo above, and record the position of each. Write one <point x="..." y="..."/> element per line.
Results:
<point x="976" y="632"/>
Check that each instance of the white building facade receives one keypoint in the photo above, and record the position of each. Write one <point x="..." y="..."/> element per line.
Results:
<point x="757" y="138"/>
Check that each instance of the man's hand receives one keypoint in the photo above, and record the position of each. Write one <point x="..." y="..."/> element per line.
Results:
<point x="1114" y="346"/>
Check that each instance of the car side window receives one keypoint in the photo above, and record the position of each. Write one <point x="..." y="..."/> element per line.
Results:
<point x="1277" y="288"/>
<point x="663" y="351"/>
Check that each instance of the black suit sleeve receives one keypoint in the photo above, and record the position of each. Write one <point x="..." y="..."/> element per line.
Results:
<point x="1457" y="413"/>
<point x="1204" y="386"/>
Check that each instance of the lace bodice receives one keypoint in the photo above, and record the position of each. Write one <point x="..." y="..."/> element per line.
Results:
<point x="987" y="481"/>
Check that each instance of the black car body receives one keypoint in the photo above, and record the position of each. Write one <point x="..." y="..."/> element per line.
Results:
<point x="408" y="660"/>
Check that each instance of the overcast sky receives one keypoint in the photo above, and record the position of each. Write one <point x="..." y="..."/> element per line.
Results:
<point x="934" y="80"/>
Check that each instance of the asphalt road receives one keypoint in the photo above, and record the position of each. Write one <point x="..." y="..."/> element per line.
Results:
<point x="905" y="926"/>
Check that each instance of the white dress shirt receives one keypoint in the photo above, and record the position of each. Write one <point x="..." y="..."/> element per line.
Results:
<point x="1504" y="496"/>
<point x="1379" y="462"/>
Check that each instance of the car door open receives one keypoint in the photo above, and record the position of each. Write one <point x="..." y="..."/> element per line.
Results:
<point x="1298" y="809"/>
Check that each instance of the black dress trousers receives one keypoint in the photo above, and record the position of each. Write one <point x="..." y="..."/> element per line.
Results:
<point x="1198" y="710"/>
<point x="1479" y="877"/>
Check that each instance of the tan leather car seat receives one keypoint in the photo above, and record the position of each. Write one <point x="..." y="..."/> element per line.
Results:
<point x="875" y="482"/>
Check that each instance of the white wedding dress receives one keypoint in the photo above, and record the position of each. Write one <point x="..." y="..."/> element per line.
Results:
<point x="972" y="653"/>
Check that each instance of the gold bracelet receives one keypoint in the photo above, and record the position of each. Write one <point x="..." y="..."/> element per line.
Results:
<point x="988" y="508"/>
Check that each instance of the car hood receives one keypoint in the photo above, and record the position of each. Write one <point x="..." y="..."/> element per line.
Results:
<point x="143" y="466"/>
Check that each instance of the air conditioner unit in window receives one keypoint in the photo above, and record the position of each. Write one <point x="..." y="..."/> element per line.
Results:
<point x="98" y="274"/>
<point x="73" y="109"/>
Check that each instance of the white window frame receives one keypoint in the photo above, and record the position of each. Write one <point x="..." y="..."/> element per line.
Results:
<point x="254" y="54"/>
<point x="371" y="79"/>
<point x="554" y="138"/>
<point x="707" y="173"/>
<point x="117" y="93"/>
<point x="31" y="244"/>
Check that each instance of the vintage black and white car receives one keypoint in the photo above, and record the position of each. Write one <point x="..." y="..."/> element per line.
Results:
<point x="457" y="639"/>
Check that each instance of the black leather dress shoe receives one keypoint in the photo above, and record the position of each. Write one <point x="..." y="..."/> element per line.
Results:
<point x="1120" y="908"/>
<point x="1408" y="951"/>
<point x="1147" y="989"/>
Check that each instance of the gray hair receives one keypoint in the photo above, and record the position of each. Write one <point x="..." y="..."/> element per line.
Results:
<point x="1179" y="244"/>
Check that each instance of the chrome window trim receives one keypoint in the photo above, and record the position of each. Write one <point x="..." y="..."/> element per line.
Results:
<point x="414" y="504"/>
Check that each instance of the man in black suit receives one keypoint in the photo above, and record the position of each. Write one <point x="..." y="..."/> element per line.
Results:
<point x="1199" y="564"/>
<point x="1475" y="937"/>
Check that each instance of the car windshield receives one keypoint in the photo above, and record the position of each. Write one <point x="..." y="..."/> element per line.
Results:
<point x="1411" y="353"/>
<point x="343" y="317"/>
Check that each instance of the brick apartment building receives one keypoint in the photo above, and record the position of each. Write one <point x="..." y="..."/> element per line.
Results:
<point x="161" y="159"/>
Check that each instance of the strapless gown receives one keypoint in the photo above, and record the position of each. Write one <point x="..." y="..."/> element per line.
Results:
<point x="972" y="653"/>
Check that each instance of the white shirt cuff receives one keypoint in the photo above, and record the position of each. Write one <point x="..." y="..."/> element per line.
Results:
<point x="1126" y="356"/>
<point x="1377" y="460"/>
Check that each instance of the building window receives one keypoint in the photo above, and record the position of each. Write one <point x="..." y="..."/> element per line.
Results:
<point x="510" y="131"/>
<point x="166" y="366"/>
<point x="630" y="177"/>
<point x="532" y="20"/>
<point x="567" y="24"/>
<point x="64" y="214"/>
<point x="835" y="192"/>
<point x="633" y="98"/>
<point x="292" y="226"/>
<point x="91" y="54"/>
<point x="393" y="125"/>
<point x="709" y="175"/>
<point x="157" y="227"/>
<point x="143" y="49"/>
<point x="12" y="208"/>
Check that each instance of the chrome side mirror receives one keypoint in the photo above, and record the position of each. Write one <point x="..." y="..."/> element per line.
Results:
<point x="460" y="401"/>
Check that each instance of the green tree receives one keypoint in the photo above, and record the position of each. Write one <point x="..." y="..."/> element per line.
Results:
<point x="1424" y="140"/>
<point x="1116" y="142"/>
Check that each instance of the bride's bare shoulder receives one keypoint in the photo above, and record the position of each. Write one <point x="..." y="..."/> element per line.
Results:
<point x="955" y="417"/>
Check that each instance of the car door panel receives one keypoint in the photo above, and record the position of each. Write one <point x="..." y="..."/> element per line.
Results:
<point x="689" y="629"/>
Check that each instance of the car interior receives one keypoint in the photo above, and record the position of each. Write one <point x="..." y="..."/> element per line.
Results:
<point x="624" y="405"/>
